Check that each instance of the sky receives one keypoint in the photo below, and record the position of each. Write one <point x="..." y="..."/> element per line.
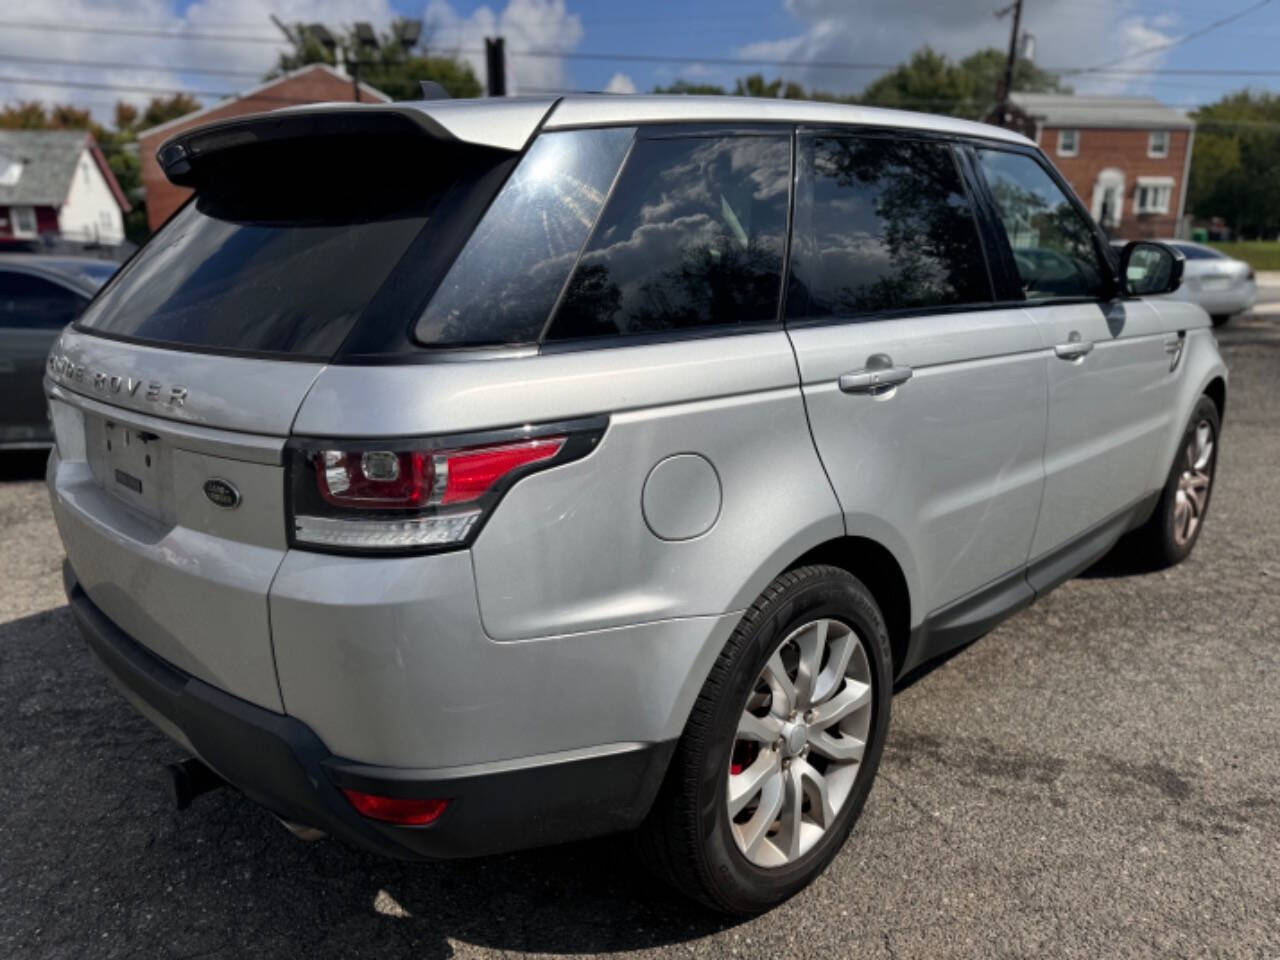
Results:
<point x="834" y="45"/>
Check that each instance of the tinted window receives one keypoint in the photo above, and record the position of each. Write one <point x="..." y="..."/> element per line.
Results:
<point x="28" y="301"/>
<point x="692" y="237"/>
<point x="882" y="225"/>
<point x="1053" y="245"/>
<point x="280" y="257"/>
<point x="504" y="283"/>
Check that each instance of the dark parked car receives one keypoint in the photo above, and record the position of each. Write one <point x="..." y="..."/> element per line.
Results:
<point x="39" y="295"/>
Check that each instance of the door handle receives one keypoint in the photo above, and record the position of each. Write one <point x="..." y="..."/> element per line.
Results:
<point x="1075" y="348"/>
<point x="878" y="376"/>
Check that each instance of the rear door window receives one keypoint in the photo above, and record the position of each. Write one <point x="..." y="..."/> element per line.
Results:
<point x="881" y="225"/>
<point x="692" y="238"/>
<point x="1053" y="245"/>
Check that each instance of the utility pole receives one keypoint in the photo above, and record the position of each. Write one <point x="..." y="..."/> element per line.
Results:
<point x="1006" y="81"/>
<point x="495" y="62"/>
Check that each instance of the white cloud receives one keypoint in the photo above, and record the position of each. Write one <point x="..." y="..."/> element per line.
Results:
<point x="867" y="31"/>
<point x="527" y="25"/>
<point x="540" y="25"/>
<point x="620" y="83"/>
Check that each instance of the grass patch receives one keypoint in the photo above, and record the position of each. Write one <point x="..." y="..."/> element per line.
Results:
<point x="1259" y="254"/>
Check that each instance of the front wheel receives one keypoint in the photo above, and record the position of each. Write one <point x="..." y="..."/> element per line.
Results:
<point x="780" y="751"/>
<point x="1168" y="537"/>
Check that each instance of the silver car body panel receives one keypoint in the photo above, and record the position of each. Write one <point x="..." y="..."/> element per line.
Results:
<point x="944" y="470"/>
<point x="242" y="394"/>
<point x="1107" y="413"/>
<point x="387" y="660"/>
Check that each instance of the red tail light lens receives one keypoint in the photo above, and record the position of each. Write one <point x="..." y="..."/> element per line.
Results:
<point x="409" y="811"/>
<point x="404" y="480"/>
<point x="416" y="495"/>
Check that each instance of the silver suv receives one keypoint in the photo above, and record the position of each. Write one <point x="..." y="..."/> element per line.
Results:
<point x="458" y="477"/>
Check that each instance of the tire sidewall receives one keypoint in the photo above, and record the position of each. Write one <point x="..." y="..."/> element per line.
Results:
<point x="836" y="595"/>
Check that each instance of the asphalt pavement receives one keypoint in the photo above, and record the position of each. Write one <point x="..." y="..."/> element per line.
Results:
<point x="1098" y="777"/>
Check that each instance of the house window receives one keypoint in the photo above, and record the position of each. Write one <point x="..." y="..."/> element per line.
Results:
<point x="10" y="170"/>
<point x="1153" y="195"/>
<point x="1068" y="143"/>
<point x="23" y="222"/>
<point x="1158" y="144"/>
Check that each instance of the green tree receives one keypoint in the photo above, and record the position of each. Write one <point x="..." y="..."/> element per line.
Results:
<point x="932" y="83"/>
<point x="928" y="82"/>
<point x="683" y="86"/>
<point x="388" y="64"/>
<point x="1234" y="174"/>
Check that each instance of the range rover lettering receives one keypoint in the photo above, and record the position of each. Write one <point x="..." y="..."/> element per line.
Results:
<point x="596" y="464"/>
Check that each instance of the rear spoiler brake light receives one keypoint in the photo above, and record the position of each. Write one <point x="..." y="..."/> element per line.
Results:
<point x="182" y="157"/>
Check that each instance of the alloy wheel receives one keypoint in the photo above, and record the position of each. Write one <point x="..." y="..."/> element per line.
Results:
<point x="1192" y="496"/>
<point x="799" y="743"/>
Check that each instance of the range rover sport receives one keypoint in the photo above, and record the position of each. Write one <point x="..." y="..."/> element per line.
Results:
<point x="458" y="477"/>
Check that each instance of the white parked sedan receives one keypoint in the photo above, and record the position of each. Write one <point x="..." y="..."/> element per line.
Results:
<point x="1223" y="285"/>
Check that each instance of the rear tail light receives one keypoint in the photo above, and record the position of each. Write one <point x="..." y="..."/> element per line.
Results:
<point x="409" y="811"/>
<point x="420" y="494"/>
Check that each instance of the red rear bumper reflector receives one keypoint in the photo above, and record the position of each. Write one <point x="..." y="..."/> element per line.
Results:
<point x="410" y="811"/>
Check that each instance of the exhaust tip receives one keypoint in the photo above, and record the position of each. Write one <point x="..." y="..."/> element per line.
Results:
<point x="189" y="779"/>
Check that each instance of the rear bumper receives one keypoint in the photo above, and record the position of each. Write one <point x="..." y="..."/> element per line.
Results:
<point x="279" y="762"/>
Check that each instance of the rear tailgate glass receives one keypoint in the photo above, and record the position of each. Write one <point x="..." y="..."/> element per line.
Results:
<point x="282" y="251"/>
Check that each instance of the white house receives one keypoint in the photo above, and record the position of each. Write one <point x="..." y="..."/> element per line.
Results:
<point x="56" y="184"/>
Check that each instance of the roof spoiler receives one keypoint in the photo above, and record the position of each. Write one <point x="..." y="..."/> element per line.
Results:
<point x="502" y="124"/>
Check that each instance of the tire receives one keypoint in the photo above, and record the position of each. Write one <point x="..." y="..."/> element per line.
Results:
<point x="1164" y="539"/>
<point x="690" y="838"/>
<point x="1221" y="319"/>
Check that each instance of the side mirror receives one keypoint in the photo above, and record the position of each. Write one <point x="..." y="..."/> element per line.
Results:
<point x="1148" y="268"/>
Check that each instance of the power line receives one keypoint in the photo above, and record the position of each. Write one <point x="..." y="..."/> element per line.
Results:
<point x="119" y="65"/>
<point x="1145" y="51"/>
<point x="257" y="74"/>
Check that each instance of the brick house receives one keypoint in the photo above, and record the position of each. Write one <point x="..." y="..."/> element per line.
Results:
<point x="56" y="187"/>
<point x="1126" y="157"/>
<point x="317" y="83"/>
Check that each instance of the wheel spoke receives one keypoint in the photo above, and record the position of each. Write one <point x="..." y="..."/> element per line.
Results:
<point x="784" y="691"/>
<point x="1198" y="491"/>
<point x="753" y="832"/>
<point x="1204" y="447"/>
<point x="759" y="729"/>
<point x="815" y="786"/>
<point x="811" y="644"/>
<point x="854" y="696"/>
<point x="788" y="839"/>
<point x="842" y="749"/>
<point x="745" y="785"/>
<point x="833" y="673"/>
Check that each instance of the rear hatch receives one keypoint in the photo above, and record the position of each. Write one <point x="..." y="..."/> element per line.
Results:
<point x="173" y="396"/>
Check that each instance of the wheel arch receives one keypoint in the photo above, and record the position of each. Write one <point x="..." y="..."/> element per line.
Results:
<point x="880" y="572"/>
<point x="1216" y="390"/>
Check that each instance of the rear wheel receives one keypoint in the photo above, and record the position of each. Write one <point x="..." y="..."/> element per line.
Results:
<point x="1221" y="319"/>
<point x="1171" y="533"/>
<point x="781" y="748"/>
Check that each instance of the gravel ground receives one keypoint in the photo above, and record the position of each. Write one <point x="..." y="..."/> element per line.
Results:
<point x="1100" y="776"/>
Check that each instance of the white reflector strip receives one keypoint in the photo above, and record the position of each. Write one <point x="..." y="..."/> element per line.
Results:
<point x="389" y="534"/>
